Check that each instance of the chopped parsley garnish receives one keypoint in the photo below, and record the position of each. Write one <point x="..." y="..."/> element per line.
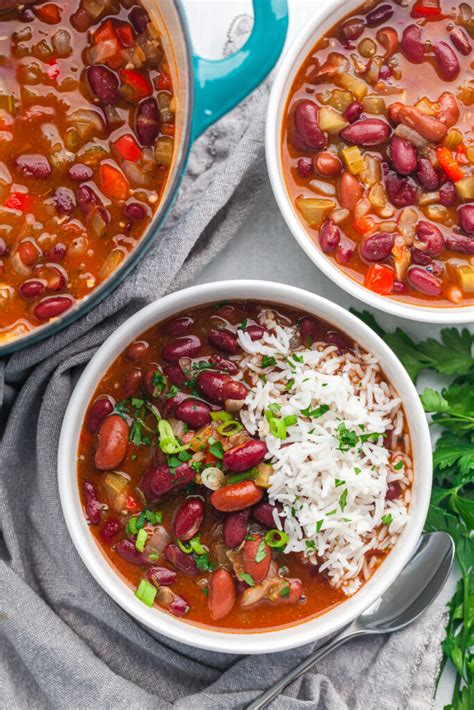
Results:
<point x="285" y="592"/>
<point x="159" y="382"/>
<point x="315" y="413"/>
<point x="343" y="499"/>
<point x="398" y="466"/>
<point x="261" y="552"/>
<point x="268" y="361"/>
<point x="311" y="546"/>
<point x="289" y="385"/>
<point x="347" y="439"/>
<point x="243" y="324"/>
<point x="339" y="482"/>
<point x="387" y="519"/>
<point x="319" y="525"/>
<point x="217" y="450"/>
<point x="247" y="578"/>
<point x="298" y="358"/>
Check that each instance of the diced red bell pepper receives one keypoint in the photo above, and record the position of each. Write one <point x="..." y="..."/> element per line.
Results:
<point x="108" y="33"/>
<point x="125" y="34"/>
<point x="168" y="129"/>
<point x="19" y="201"/>
<point x="49" y="13"/>
<point x="449" y="164"/>
<point x="365" y="224"/>
<point x="380" y="278"/>
<point x="426" y="8"/>
<point x="163" y="82"/>
<point x="128" y="148"/>
<point x="132" y="505"/>
<point x="53" y="70"/>
<point x="113" y="183"/>
<point x="135" y="86"/>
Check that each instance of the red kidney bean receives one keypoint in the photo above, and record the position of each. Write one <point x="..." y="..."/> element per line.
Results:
<point x="447" y="61"/>
<point x="380" y="14"/>
<point x="52" y="306"/>
<point x="349" y="191"/>
<point x="86" y="198"/>
<point x="158" y="481"/>
<point x="57" y="253"/>
<point x="263" y="514"/>
<point x="245" y="456"/>
<point x="393" y="491"/>
<point x="427" y="126"/>
<point x="179" y="606"/>
<point x="193" y="413"/>
<point x="366" y="132"/>
<point x="388" y="38"/>
<point x="93" y="506"/>
<point x="127" y="551"/>
<point x="134" y="211"/>
<point x="175" y="375"/>
<point x="138" y="350"/>
<point x="352" y="28"/>
<point x="64" y="201"/>
<point x="110" y="529"/>
<point x="170" y="404"/>
<point x="329" y="236"/>
<point x="427" y="175"/>
<point x="420" y="257"/>
<point x="255" y="331"/>
<point x="34" y="166"/>
<point x="458" y="242"/>
<point x="100" y="408"/>
<point x="423" y="282"/>
<point x="304" y="167"/>
<point x="385" y="72"/>
<point x="404" y="156"/>
<point x="254" y="548"/>
<point x="147" y="121"/>
<point x="80" y="172"/>
<point x="461" y="41"/>
<point x="235" y="528"/>
<point x="183" y="562"/>
<point x="112" y="442"/>
<point x="399" y="287"/>
<point x="224" y="365"/>
<point x="447" y="194"/>
<point x="222" y="593"/>
<point x="188" y="519"/>
<point x="131" y="384"/>
<point x="307" y="134"/>
<point x="310" y="329"/>
<point x="353" y="112"/>
<point x="177" y="326"/>
<point x="412" y="44"/>
<point x="161" y="576"/>
<point x="187" y="346"/>
<point x="4" y="251"/>
<point x="32" y="288"/>
<point x="449" y="110"/>
<point x="139" y="19"/>
<point x="466" y="219"/>
<point x="401" y="191"/>
<point x="342" y="343"/>
<point x="432" y="238"/>
<point x="236" y="496"/>
<point x="327" y="164"/>
<point x="218" y="387"/>
<point x="224" y="339"/>
<point x="104" y="83"/>
<point x="345" y="251"/>
<point x="377" y="247"/>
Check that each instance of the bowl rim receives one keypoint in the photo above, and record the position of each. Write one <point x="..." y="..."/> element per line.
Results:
<point x="328" y="14"/>
<point x="200" y="636"/>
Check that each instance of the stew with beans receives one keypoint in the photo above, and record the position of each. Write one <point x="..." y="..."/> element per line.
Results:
<point x="378" y="150"/>
<point x="176" y="490"/>
<point x="87" y="121"/>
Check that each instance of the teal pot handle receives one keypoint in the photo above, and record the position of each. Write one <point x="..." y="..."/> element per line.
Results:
<point x="219" y="85"/>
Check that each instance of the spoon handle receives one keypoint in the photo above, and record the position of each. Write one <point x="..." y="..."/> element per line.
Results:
<point x="262" y="700"/>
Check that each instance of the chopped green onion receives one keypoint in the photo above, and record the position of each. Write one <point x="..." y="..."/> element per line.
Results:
<point x="142" y="537"/>
<point x="184" y="547"/>
<point x="146" y="592"/>
<point x="249" y="475"/>
<point x="221" y="416"/>
<point x="276" y="538"/>
<point x="197" y="547"/>
<point x="277" y="428"/>
<point x="229" y="428"/>
<point x="168" y="442"/>
<point x="290" y="420"/>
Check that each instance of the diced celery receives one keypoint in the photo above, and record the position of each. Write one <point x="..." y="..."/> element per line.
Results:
<point x="465" y="188"/>
<point x="354" y="160"/>
<point x="453" y="139"/>
<point x="375" y="105"/>
<point x="356" y="86"/>
<point x="314" y="209"/>
<point x="340" y="100"/>
<point x="330" y="120"/>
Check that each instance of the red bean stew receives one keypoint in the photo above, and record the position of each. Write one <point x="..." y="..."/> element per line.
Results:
<point x="378" y="150"/>
<point x="87" y="122"/>
<point x="175" y="488"/>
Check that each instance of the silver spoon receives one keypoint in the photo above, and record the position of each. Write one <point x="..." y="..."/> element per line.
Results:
<point x="410" y="595"/>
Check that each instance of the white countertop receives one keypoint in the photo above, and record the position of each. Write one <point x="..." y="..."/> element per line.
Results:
<point x="264" y="247"/>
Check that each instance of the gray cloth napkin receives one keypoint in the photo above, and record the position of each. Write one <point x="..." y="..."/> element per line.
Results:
<point x="63" y="641"/>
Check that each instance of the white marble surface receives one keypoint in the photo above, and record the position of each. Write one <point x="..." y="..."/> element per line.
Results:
<point x="264" y="247"/>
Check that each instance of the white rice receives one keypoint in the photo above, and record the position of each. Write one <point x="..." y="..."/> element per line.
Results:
<point x="332" y="493"/>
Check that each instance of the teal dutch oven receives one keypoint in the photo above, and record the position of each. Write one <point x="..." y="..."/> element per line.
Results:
<point x="206" y="90"/>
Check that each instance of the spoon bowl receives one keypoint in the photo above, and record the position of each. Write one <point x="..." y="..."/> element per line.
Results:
<point x="414" y="590"/>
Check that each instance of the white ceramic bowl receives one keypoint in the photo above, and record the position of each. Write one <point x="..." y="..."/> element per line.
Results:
<point x="327" y="14"/>
<point x="160" y="622"/>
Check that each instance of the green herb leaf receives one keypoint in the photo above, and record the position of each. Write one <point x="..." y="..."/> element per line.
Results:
<point x="261" y="552"/>
<point x="268" y="361"/>
<point x="217" y="450"/>
<point x="247" y="578"/>
<point x="315" y="413"/>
